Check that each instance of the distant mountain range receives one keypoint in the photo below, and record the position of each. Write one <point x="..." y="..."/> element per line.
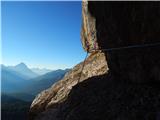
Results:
<point x="24" y="70"/>
<point x="12" y="81"/>
<point x="24" y="83"/>
<point x="40" y="71"/>
<point x="45" y="81"/>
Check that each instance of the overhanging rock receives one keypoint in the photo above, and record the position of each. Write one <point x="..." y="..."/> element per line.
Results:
<point x="115" y="24"/>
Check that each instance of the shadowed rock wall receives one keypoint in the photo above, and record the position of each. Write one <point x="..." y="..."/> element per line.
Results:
<point x="119" y="24"/>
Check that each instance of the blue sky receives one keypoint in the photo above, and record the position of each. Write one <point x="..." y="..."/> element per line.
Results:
<point x="42" y="34"/>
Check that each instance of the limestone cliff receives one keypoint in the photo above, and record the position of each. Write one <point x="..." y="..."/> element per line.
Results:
<point x="119" y="84"/>
<point x="95" y="65"/>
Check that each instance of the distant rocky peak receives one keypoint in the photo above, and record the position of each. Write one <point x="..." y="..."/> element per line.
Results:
<point x="21" y="65"/>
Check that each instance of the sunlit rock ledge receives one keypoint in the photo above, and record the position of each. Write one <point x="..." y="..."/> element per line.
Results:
<point x="95" y="65"/>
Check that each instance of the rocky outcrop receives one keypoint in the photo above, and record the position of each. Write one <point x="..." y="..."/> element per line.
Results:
<point x="94" y="65"/>
<point x="88" y="31"/>
<point x="131" y="88"/>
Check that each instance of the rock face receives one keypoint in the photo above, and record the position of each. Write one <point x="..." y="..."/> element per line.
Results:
<point x="121" y="24"/>
<point x="95" y="65"/>
<point x="127" y="86"/>
<point x="88" y="31"/>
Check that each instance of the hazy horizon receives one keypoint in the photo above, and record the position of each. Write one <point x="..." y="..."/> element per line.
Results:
<point x="41" y="34"/>
<point x="30" y="67"/>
